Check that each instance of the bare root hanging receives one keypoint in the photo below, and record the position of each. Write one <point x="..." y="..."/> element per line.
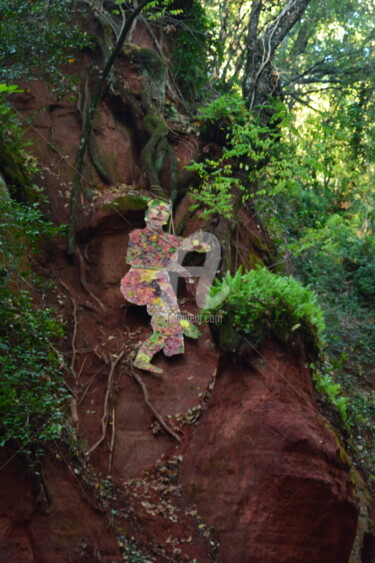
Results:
<point x="114" y="360"/>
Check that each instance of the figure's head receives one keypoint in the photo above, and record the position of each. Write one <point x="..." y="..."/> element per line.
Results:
<point x="158" y="213"/>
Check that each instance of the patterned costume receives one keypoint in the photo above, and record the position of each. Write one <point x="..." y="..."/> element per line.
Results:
<point x="151" y="254"/>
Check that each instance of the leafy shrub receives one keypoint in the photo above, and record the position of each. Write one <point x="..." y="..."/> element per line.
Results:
<point x="252" y="162"/>
<point x="31" y="391"/>
<point x="31" y="394"/>
<point x="193" y="42"/>
<point x="37" y="37"/>
<point x="261" y="304"/>
<point x="223" y="112"/>
<point x="17" y="165"/>
<point x="331" y="389"/>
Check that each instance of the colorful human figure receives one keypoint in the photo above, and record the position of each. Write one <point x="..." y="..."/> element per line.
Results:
<point x="151" y="254"/>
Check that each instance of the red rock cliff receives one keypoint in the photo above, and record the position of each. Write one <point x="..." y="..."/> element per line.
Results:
<point x="256" y="460"/>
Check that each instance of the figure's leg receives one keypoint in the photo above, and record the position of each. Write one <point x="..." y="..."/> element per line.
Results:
<point x="147" y="351"/>
<point x="189" y="329"/>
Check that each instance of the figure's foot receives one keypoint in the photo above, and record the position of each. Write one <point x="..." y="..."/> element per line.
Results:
<point x="189" y="329"/>
<point x="142" y="361"/>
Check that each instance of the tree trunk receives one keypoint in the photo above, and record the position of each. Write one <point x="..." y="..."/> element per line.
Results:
<point x="261" y="82"/>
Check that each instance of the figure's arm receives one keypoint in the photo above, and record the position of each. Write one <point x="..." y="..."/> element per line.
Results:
<point x="194" y="243"/>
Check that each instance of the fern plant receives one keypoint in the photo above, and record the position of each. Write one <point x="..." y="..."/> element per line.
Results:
<point x="260" y="304"/>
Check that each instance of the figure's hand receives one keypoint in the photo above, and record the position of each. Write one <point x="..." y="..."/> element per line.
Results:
<point x="197" y="244"/>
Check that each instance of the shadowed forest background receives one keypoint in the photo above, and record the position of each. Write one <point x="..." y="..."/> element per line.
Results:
<point x="256" y="120"/>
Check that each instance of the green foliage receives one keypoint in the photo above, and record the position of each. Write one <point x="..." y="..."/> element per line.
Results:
<point x="21" y="229"/>
<point x="217" y="180"/>
<point x="339" y="264"/>
<point x="223" y="112"/>
<point x="31" y="396"/>
<point x="253" y="162"/>
<point x="36" y="38"/>
<point x="354" y="403"/>
<point x="323" y="220"/>
<point x="328" y="387"/>
<point x="31" y="393"/>
<point x="16" y="164"/>
<point x="190" y="56"/>
<point x="260" y="304"/>
<point x="215" y="192"/>
<point x="346" y="256"/>
<point x="329" y="48"/>
<point x="158" y="9"/>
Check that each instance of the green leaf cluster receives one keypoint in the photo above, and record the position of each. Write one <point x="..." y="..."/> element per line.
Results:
<point x="192" y="44"/>
<point x="36" y="38"/>
<point x="16" y="164"/>
<point x="330" y="388"/>
<point x="158" y="9"/>
<point x="261" y="304"/>
<point x="324" y="221"/>
<point x="32" y="395"/>
<point x="252" y="163"/>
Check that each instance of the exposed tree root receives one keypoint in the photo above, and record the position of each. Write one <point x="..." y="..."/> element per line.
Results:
<point x="88" y="122"/>
<point x="88" y="385"/>
<point x="74" y="412"/>
<point x="82" y="269"/>
<point x="158" y="416"/>
<point x="74" y="336"/>
<point x="111" y="446"/>
<point x="104" y="422"/>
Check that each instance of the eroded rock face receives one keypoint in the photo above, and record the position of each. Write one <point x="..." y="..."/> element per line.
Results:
<point x="266" y="472"/>
<point x="261" y="465"/>
<point x="71" y="529"/>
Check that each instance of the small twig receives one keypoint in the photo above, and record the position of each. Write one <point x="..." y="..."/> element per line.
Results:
<point x="88" y="385"/>
<point x="74" y="338"/>
<point x="112" y="440"/>
<point x="81" y="368"/>
<point x="100" y="356"/>
<point x="158" y="417"/>
<point x="69" y="388"/>
<point x="133" y="26"/>
<point x="104" y="421"/>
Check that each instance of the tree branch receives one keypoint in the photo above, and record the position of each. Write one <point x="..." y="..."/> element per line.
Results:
<point x="285" y="21"/>
<point x="256" y="8"/>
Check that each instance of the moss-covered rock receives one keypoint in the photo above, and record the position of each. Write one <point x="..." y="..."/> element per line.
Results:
<point x="14" y="170"/>
<point x="153" y="69"/>
<point x="127" y="202"/>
